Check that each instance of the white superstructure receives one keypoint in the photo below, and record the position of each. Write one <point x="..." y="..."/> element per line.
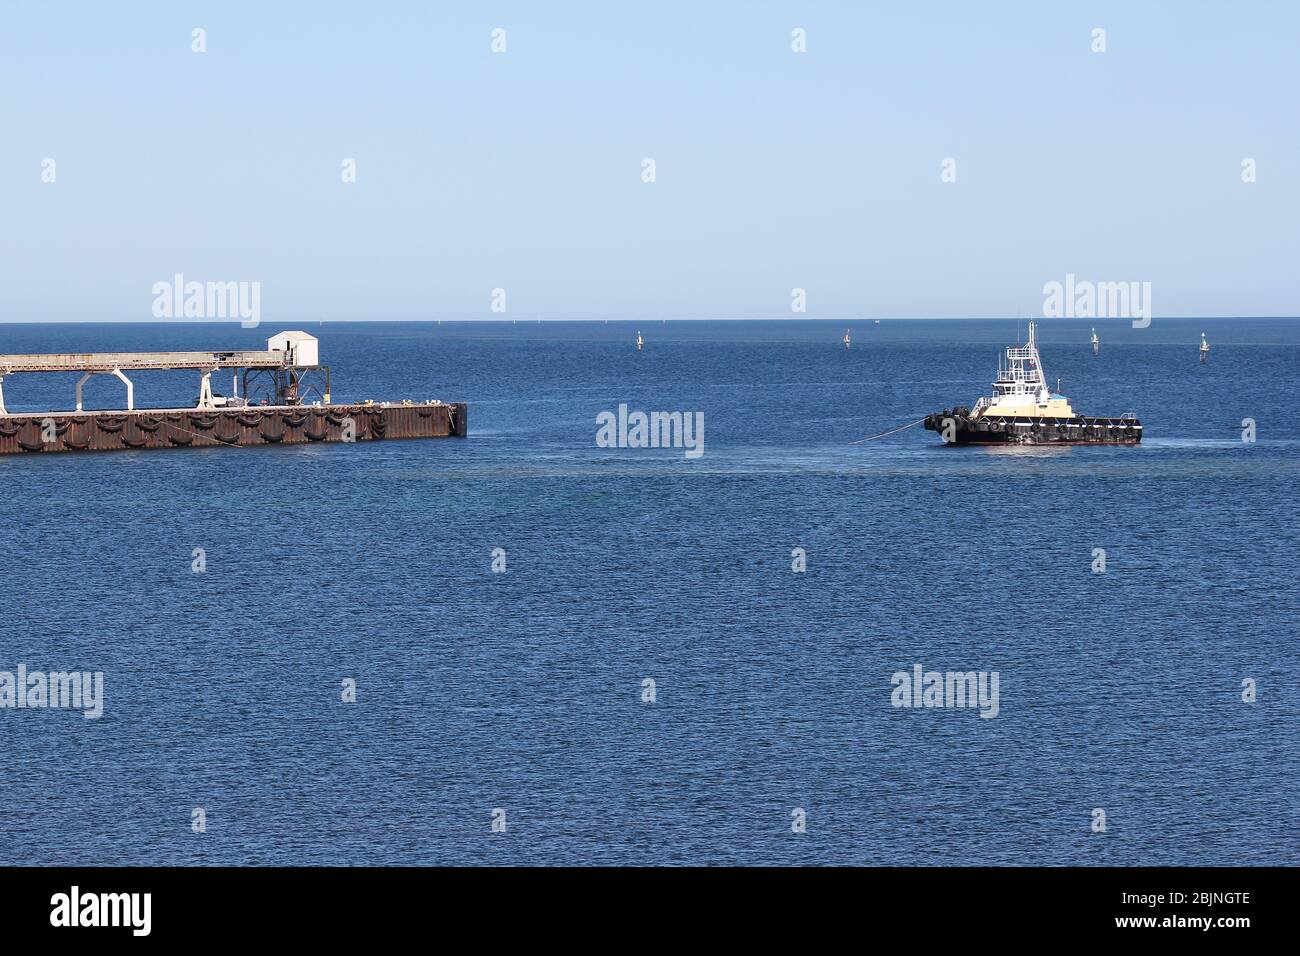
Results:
<point x="1021" y="387"/>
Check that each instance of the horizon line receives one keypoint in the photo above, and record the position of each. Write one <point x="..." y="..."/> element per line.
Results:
<point x="535" y="320"/>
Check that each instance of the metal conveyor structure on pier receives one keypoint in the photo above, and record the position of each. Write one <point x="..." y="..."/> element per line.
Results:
<point x="296" y="350"/>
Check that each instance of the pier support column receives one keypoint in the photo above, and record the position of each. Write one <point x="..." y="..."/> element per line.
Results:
<point x="130" y="389"/>
<point x="205" y="391"/>
<point x="82" y="381"/>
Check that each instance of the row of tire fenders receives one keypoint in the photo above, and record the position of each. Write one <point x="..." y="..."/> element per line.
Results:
<point x="1111" y="426"/>
<point x="198" y="423"/>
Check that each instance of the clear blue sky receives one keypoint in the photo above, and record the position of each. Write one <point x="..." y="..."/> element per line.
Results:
<point x="523" y="170"/>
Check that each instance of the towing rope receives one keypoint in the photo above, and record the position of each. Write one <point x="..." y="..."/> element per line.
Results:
<point x="900" y="428"/>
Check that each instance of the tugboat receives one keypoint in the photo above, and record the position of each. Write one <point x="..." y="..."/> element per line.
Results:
<point x="1023" y="411"/>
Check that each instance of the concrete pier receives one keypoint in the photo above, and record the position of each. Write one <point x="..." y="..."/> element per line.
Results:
<point x="40" y="433"/>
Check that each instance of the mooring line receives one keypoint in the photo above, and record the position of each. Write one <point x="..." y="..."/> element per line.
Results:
<point x="900" y="428"/>
<point x="234" y="443"/>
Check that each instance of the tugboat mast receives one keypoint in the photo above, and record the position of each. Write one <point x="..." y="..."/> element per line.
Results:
<point x="1022" y="373"/>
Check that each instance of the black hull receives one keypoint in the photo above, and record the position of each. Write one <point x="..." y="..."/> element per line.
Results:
<point x="956" y="427"/>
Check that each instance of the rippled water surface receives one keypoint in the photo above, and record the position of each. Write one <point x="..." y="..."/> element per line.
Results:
<point x="522" y="691"/>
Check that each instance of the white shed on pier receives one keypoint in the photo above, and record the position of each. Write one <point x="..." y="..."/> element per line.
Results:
<point x="302" y="348"/>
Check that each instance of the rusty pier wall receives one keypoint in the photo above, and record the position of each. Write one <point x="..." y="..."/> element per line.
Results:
<point x="203" y="428"/>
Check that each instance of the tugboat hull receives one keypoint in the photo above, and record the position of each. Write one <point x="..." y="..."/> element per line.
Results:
<point x="956" y="427"/>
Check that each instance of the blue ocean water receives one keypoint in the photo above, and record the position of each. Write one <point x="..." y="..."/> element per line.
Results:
<point x="522" y="691"/>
